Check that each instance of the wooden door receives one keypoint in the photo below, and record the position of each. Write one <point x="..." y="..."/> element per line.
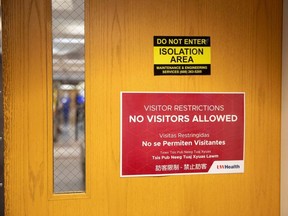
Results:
<point x="245" y="57"/>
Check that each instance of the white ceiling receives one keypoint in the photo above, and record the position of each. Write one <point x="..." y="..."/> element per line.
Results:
<point x="68" y="40"/>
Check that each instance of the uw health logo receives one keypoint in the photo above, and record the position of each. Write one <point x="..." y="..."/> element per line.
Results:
<point x="221" y="166"/>
<point x="235" y="166"/>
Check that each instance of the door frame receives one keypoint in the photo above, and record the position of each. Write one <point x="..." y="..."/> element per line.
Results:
<point x="284" y="138"/>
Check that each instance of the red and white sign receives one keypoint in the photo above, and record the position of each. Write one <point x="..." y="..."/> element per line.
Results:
<point x="181" y="133"/>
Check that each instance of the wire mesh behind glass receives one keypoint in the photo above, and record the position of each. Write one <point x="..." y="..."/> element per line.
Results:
<point x="68" y="96"/>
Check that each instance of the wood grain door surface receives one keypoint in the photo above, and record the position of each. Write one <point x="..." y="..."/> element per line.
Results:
<point x="245" y="57"/>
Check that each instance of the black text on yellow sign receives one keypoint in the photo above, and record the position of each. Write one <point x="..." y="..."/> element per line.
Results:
<point x="182" y="55"/>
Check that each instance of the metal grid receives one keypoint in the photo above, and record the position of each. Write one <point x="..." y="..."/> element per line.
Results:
<point x="68" y="95"/>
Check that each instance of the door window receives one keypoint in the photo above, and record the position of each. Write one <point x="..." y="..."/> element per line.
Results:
<point x="68" y="96"/>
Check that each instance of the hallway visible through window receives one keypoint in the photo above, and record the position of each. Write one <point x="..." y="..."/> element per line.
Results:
<point x="68" y="96"/>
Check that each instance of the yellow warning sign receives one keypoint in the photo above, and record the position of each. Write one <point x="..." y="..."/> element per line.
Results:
<point x="182" y="51"/>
